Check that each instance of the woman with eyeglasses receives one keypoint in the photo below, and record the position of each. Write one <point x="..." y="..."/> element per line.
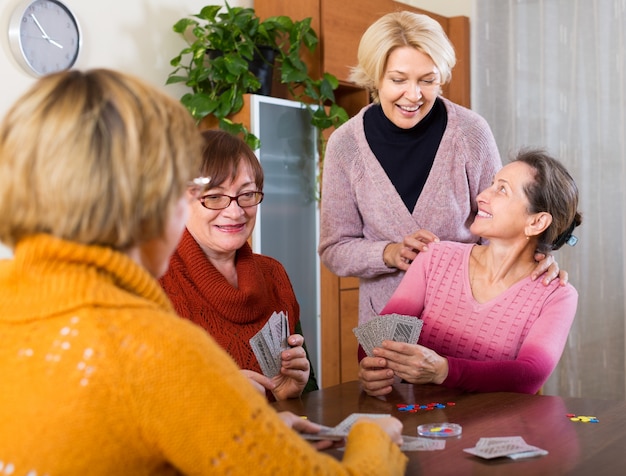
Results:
<point x="406" y="170"/>
<point x="215" y="280"/>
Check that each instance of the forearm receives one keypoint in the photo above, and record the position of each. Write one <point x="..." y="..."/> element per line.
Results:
<point x="523" y="375"/>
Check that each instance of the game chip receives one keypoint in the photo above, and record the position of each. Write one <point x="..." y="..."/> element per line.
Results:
<point x="439" y="430"/>
<point x="414" y="407"/>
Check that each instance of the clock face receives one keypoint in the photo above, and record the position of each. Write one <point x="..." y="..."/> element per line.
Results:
<point x="45" y="36"/>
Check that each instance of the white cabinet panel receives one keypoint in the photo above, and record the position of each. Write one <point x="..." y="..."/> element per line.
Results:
<point x="288" y="219"/>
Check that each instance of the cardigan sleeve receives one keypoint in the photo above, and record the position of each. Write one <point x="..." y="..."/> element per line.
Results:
<point x="343" y="246"/>
<point x="538" y="356"/>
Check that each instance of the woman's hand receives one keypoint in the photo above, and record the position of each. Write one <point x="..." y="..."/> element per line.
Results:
<point x="294" y="371"/>
<point x="302" y="425"/>
<point x="259" y="381"/>
<point x="413" y="363"/>
<point x="548" y="265"/>
<point x="401" y="255"/>
<point x="374" y="376"/>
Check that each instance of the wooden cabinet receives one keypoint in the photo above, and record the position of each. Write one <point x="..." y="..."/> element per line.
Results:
<point x="340" y="25"/>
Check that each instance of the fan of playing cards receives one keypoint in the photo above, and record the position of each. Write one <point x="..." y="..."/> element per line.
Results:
<point x="269" y="342"/>
<point x="396" y="327"/>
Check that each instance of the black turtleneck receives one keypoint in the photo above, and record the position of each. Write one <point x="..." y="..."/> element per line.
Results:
<point x="406" y="155"/>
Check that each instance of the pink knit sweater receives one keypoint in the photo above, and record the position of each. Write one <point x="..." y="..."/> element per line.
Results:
<point x="510" y="343"/>
<point x="361" y="212"/>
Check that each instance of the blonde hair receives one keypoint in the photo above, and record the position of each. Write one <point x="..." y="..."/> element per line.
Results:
<point x="97" y="157"/>
<point x="395" y="30"/>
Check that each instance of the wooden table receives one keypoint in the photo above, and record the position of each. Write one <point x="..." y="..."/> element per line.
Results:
<point x="575" y="448"/>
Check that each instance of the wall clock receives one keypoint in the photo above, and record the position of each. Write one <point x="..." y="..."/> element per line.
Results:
<point x="45" y="36"/>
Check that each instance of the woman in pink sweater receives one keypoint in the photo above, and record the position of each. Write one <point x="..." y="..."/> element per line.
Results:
<point x="410" y="162"/>
<point x="487" y="326"/>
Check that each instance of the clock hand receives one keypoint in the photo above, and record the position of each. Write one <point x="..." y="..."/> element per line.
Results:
<point x="44" y="35"/>
<point x="43" y="32"/>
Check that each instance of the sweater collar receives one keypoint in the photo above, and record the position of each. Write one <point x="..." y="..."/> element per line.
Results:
<point x="217" y="292"/>
<point x="44" y="268"/>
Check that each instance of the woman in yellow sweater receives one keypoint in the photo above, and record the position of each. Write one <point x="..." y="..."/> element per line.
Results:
<point x="99" y="375"/>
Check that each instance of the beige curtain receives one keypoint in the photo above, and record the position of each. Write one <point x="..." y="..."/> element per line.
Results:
<point x="552" y="73"/>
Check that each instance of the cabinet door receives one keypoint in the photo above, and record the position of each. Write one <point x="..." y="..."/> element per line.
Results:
<point x="287" y="227"/>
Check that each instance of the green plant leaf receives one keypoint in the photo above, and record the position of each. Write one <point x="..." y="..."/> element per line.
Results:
<point x="209" y="12"/>
<point x="219" y="81"/>
<point x="181" y="25"/>
<point x="199" y="105"/>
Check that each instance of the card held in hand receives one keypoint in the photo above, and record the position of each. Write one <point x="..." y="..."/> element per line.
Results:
<point x="395" y="327"/>
<point x="269" y="342"/>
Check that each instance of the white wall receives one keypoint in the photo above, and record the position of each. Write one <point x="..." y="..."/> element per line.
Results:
<point x="131" y="35"/>
<point x="136" y="36"/>
<point x="446" y="8"/>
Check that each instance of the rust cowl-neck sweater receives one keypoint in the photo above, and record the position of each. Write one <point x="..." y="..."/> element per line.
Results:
<point x="200" y="293"/>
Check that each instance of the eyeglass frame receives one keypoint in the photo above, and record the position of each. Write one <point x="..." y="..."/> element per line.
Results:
<point x="231" y="198"/>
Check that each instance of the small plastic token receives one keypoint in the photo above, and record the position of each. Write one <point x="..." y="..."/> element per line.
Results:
<point x="439" y="430"/>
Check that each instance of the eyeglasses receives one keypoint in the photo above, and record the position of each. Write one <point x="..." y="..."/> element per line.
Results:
<point x="219" y="201"/>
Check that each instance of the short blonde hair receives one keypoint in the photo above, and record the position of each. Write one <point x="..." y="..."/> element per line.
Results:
<point x="395" y="30"/>
<point x="96" y="157"/>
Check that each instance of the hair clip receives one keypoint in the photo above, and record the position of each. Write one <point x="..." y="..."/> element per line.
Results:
<point x="572" y="240"/>
<point x="200" y="182"/>
<point x="199" y="185"/>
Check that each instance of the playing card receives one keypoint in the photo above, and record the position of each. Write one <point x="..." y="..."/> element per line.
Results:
<point x="363" y="336"/>
<point x="278" y="327"/>
<point x="512" y="446"/>
<point x="339" y="432"/>
<point x="417" y="443"/>
<point x="264" y="356"/>
<point x="396" y="327"/>
<point x="269" y="342"/>
<point x="343" y="428"/>
<point x="404" y="328"/>
<point x="326" y="433"/>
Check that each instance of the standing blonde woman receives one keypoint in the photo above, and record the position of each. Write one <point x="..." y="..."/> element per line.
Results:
<point x="99" y="375"/>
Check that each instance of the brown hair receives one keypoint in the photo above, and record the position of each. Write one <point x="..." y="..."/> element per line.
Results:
<point x="553" y="191"/>
<point x="222" y="155"/>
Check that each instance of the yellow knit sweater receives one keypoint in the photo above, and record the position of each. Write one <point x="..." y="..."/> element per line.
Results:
<point x="99" y="376"/>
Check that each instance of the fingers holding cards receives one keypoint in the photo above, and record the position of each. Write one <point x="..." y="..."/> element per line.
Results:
<point x="270" y="342"/>
<point x="395" y="327"/>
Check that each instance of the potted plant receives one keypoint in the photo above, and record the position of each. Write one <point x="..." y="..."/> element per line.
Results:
<point x="215" y="64"/>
